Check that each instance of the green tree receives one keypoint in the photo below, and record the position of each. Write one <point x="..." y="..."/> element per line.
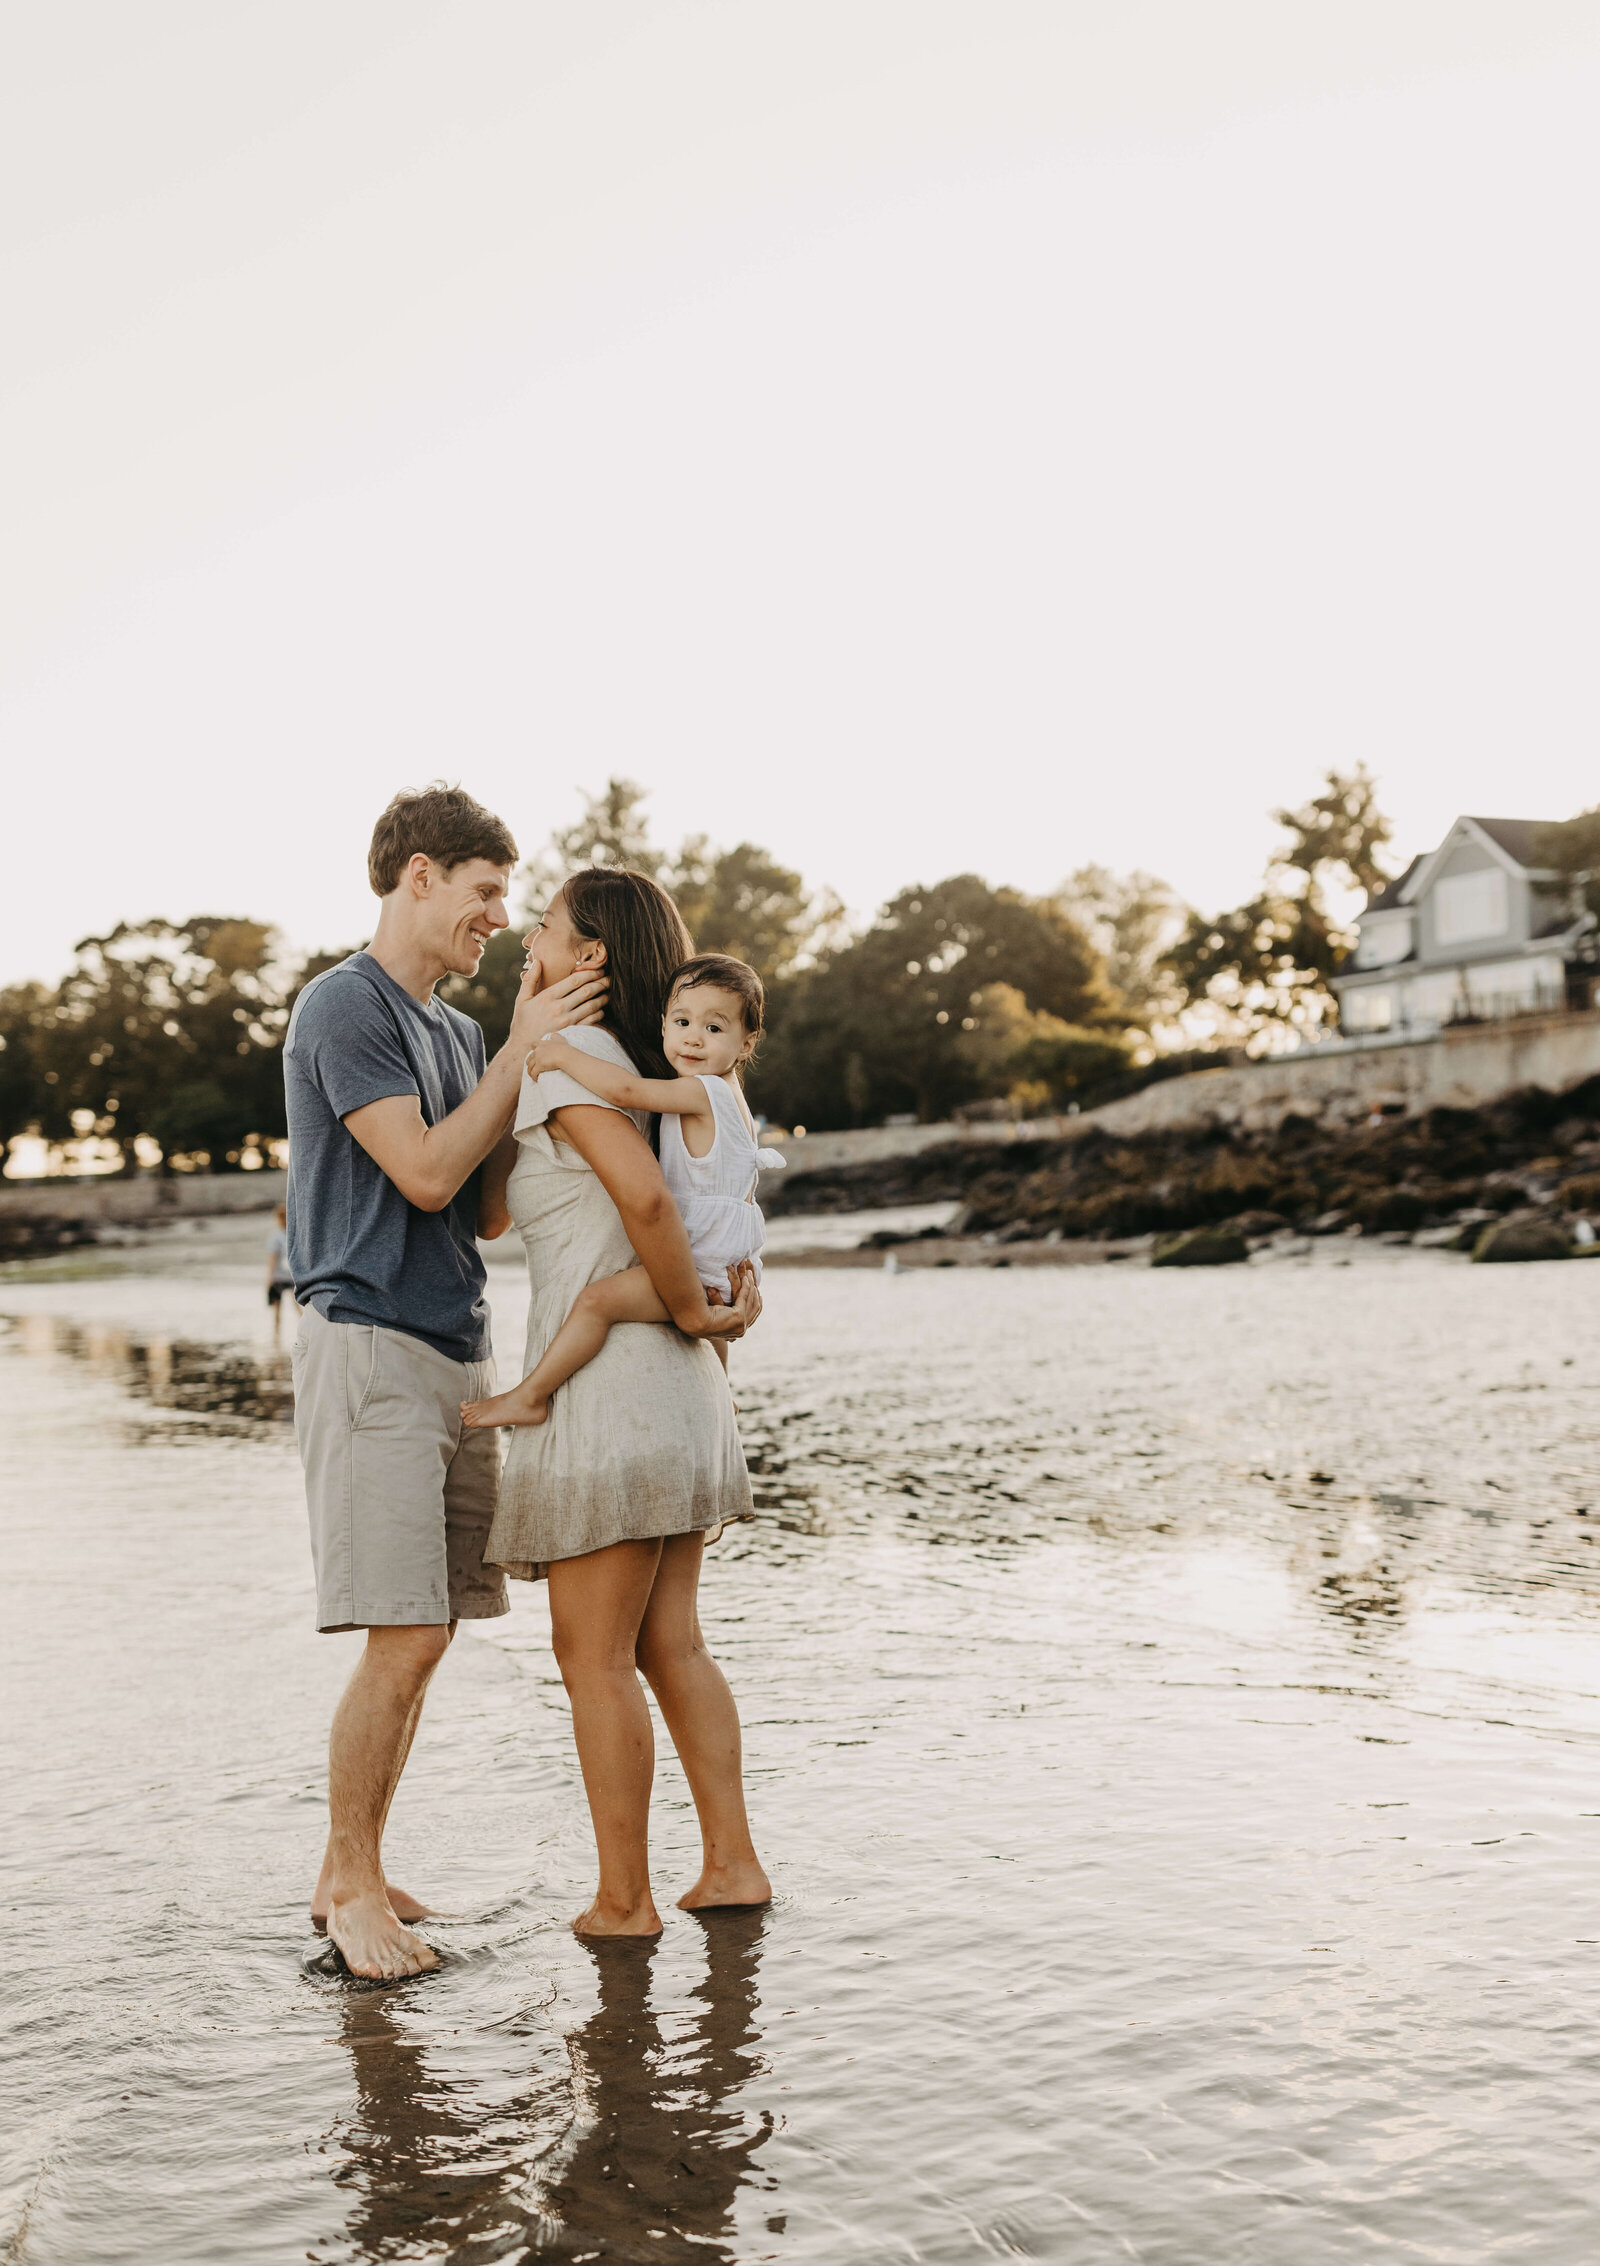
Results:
<point x="27" y="1101"/>
<point x="1133" y="920"/>
<point x="613" y="830"/>
<point x="740" y="901"/>
<point x="1034" y="1060"/>
<point x="168" y="1030"/>
<point x="1572" y="850"/>
<point x="877" y="1025"/>
<point x="1263" y="968"/>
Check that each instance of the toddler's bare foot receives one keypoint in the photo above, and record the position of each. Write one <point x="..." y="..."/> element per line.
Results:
<point x="743" y="1883"/>
<point x="604" y="1918"/>
<point x="519" y="1406"/>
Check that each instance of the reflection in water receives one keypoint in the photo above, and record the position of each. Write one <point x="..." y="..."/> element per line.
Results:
<point x="632" y="2151"/>
<point x="237" y="1386"/>
<point x="428" y="2168"/>
<point x="659" y="2149"/>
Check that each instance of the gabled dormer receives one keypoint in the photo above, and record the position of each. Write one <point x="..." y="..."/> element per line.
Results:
<point x="1479" y="892"/>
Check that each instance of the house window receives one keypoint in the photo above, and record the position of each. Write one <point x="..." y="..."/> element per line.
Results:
<point x="1370" y="1009"/>
<point x="1437" y="998"/>
<point x="1469" y="905"/>
<point x="1385" y="938"/>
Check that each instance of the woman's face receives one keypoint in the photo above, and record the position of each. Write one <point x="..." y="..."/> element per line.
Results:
<point x="557" y="946"/>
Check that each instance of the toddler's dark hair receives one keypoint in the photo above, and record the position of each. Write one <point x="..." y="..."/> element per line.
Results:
<point x="737" y="976"/>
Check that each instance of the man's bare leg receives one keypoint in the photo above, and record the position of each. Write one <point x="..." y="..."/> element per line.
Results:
<point x="596" y="1602"/>
<point x="372" y="1731"/>
<point x="628" y="1297"/>
<point x="704" y="1722"/>
<point x="405" y="1906"/>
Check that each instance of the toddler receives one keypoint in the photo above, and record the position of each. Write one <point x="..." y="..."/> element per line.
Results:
<point x="709" y="1159"/>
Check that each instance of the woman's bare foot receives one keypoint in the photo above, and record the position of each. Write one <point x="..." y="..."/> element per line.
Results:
<point x="605" y="1918"/>
<point x="519" y="1406"/>
<point x="727" y="1884"/>
<point x="373" y="1942"/>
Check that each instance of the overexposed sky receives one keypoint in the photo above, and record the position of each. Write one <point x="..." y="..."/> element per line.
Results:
<point x="915" y="435"/>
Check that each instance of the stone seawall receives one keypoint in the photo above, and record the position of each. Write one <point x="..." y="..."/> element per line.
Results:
<point x="93" y="1202"/>
<point x="1339" y="1085"/>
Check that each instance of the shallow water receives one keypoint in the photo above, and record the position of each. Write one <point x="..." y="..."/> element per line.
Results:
<point x="1173" y="1713"/>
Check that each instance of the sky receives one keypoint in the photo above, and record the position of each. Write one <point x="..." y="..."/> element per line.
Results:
<point x="917" y="436"/>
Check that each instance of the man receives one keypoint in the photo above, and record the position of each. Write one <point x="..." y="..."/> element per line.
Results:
<point x="391" y="1112"/>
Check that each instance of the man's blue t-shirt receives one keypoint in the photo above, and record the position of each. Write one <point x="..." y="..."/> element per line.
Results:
<point x="358" y="1251"/>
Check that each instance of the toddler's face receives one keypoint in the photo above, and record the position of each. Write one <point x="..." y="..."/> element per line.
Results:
<point x="703" y="1033"/>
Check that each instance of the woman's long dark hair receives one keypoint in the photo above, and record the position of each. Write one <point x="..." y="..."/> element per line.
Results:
<point x="646" y="944"/>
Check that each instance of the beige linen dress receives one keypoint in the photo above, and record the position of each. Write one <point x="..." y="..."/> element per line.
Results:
<point x="642" y="1441"/>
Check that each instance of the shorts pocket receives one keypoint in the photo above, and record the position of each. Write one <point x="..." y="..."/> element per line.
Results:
<point x="361" y="1376"/>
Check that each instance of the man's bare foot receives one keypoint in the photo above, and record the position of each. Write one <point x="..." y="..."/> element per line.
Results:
<point x="404" y="1906"/>
<point x="519" y="1406"/>
<point x="374" y="1943"/>
<point x="727" y="1884"/>
<point x="604" y="1918"/>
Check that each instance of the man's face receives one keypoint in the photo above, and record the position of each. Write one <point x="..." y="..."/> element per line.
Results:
<point x="466" y="905"/>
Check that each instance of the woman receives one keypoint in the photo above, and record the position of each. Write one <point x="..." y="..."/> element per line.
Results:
<point x="615" y="1497"/>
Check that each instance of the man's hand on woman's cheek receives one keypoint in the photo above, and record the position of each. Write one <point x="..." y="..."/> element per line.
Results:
<point x="542" y="1010"/>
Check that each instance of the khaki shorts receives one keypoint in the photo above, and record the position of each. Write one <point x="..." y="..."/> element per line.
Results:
<point x="401" y="1495"/>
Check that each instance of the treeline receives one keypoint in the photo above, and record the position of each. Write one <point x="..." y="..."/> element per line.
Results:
<point x="162" y="1040"/>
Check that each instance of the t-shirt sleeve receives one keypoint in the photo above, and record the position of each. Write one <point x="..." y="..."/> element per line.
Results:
<point x="346" y="1042"/>
<point x="553" y="1089"/>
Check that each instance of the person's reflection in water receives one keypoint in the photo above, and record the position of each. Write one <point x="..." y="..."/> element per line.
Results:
<point x="660" y="2160"/>
<point x="656" y="2164"/>
<point x="428" y="2166"/>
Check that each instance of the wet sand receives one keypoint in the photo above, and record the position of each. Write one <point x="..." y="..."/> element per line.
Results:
<point x="1173" y="1713"/>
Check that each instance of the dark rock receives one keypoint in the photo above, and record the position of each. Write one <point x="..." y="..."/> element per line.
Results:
<point x="1400" y="1174"/>
<point x="1202" y="1247"/>
<point x="1525" y="1235"/>
<point x="1253" y="1224"/>
<point x="1397" y="1210"/>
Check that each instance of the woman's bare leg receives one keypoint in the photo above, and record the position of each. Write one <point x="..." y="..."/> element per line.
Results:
<point x="628" y="1297"/>
<point x="596" y="1605"/>
<point x="700" y="1713"/>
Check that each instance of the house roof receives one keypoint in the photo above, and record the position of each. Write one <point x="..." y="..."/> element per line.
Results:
<point x="1514" y="838"/>
<point x="1389" y="895"/>
<point x="1514" y="835"/>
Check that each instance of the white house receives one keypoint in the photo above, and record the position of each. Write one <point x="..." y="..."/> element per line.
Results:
<point x="1475" y="930"/>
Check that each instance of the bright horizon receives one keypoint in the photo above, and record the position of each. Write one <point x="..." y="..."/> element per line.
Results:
<point x="921" y="439"/>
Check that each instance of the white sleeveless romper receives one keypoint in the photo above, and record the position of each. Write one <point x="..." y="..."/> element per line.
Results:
<point x="716" y="1193"/>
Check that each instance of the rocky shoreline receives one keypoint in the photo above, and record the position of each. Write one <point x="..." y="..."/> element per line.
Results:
<point x="1459" y="1170"/>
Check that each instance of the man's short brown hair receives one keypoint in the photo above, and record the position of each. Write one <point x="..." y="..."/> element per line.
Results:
<point x="445" y="824"/>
